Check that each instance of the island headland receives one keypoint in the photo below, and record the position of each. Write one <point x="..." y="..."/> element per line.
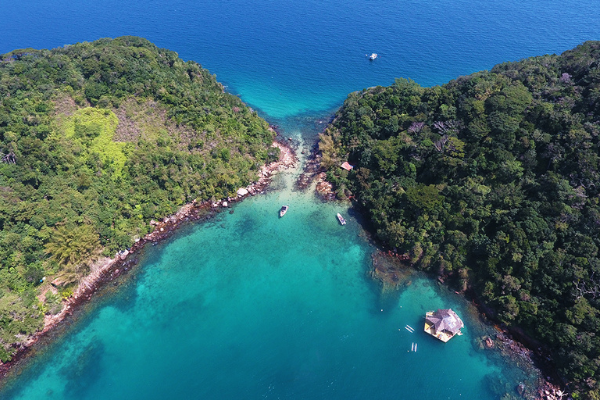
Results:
<point x="97" y="141"/>
<point x="106" y="270"/>
<point x="490" y="182"/>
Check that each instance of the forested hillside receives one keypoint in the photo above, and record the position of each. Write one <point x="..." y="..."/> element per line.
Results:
<point x="96" y="139"/>
<point x="491" y="180"/>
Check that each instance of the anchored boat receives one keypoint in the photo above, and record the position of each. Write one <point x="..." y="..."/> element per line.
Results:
<point x="283" y="210"/>
<point x="341" y="219"/>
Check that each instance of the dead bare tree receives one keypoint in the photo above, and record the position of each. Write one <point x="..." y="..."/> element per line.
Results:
<point x="448" y="127"/>
<point x="9" y="158"/>
<point x="591" y="288"/>
<point x="440" y="144"/>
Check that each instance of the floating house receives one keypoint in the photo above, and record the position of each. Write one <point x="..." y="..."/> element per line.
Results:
<point x="443" y="324"/>
<point x="347" y="166"/>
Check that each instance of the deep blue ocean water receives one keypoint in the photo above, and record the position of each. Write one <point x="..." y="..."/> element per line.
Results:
<point x="287" y="57"/>
<point x="250" y="306"/>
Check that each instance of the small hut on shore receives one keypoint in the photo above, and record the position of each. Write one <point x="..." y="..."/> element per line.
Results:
<point x="443" y="324"/>
<point x="347" y="166"/>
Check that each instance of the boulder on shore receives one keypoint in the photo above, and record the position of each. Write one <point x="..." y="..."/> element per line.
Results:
<point x="242" y="192"/>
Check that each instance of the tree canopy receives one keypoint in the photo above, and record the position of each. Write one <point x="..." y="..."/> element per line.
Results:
<point x="96" y="139"/>
<point x="492" y="179"/>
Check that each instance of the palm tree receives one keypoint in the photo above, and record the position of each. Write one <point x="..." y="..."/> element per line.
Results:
<point x="70" y="246"/>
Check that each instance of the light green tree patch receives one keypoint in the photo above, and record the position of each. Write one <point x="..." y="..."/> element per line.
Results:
<point x="95" y="129"/>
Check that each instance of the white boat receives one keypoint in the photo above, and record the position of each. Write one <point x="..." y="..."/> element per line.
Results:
<point x="341" y="219"/>
<point x="283" y="211"/>
<point x="373" y="56"/>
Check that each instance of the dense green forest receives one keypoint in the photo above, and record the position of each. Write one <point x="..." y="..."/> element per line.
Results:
<point x="492" y="181"/>
<point x="96" y="139"/>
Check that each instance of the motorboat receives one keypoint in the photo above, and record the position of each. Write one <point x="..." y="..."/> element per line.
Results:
<point x="283" y="210"/>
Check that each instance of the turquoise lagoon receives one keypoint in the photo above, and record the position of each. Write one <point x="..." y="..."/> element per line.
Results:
<point x="248" y="305"/>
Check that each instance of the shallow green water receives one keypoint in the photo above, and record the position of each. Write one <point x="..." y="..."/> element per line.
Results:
<point x="249" y="305"/>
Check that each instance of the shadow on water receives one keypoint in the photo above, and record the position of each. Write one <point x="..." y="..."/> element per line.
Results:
<point x="248" y="225"/>
<point x="85" y="371"/>
<point x="125" y="296"/>
<point x="178" y="313"/>
<point x="78" y="376"/>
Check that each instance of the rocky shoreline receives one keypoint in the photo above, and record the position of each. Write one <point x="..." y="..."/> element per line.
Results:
<point x="107" y="269"/>
<point x="393" y="269"/>
<point x="511" y="342"/>
<point x="313" y="172"/>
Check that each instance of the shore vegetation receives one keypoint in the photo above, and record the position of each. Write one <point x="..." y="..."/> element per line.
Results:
<point x="491" y="181"/>
<point x="96" y="140"/>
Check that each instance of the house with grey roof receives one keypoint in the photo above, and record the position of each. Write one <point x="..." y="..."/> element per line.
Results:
<point x="443" y="324"/>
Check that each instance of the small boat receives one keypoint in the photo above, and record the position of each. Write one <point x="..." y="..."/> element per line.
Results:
<point x="373" y="56"/>
<point x="283" y="211"/>
<point x="341" y="219"/>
